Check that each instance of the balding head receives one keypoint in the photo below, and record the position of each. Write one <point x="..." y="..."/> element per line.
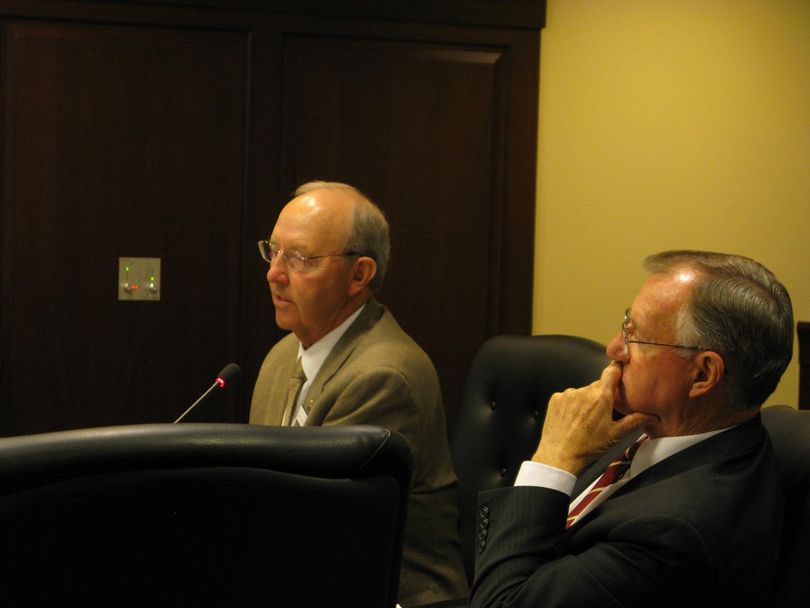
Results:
<point x="367" y="232"/>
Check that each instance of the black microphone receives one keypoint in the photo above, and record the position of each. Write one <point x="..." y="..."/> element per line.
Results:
<point x="229" y="372"/>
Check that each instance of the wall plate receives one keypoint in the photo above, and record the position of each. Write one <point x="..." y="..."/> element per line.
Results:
<point x="139" y="279"/>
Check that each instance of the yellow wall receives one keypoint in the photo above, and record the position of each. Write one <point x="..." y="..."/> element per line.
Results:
<point x="669" y="124"/>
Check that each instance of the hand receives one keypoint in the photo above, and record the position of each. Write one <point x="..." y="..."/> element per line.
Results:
<point x="579" y="425"/>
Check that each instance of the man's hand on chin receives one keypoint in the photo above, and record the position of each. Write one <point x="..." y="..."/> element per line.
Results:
<point x="579" y="425"/>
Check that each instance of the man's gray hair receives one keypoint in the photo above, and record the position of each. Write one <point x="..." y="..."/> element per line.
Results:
<point x="739" y="309"/>
<point x="369" y="234"/>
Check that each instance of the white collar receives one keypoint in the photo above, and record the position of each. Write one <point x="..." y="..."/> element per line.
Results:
<point x="653" y="451"/>
<point x="312" y="358"/>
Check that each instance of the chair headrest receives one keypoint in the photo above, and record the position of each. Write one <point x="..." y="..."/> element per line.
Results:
<point x="790" y="434"/>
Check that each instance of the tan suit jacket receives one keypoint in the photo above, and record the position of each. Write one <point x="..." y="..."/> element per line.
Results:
<point x="376" y="374"/>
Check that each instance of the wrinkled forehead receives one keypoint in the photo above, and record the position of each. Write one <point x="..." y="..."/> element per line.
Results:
<point x="662" y="296"/>
<point x="315" y="220"/>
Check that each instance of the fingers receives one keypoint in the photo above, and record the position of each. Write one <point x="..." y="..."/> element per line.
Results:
<point x="602" y="393"/>
<point x="611" y="375"/>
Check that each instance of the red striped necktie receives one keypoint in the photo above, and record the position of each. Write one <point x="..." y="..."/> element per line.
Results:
<point x="613" y="473"/>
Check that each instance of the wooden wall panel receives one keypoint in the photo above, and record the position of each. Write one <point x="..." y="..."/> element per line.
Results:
<point x="118" y="141"/>
<point x="415" y="125"/>
<point x="179" y="129"/>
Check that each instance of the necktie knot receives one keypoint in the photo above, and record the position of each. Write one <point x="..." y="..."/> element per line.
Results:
<point x="298" y="372"/>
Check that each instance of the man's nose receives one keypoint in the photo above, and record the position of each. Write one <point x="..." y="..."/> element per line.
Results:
<point x="276" y="273"/>
<point x="616" y="349"/>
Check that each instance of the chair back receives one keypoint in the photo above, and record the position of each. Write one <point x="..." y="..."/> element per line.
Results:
<point x="790" y="434"/>
<point x="503" y="405"/>
<point x="202" y="515"/>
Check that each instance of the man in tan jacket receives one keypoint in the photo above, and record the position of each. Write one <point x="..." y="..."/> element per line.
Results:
<point x="327" y="253"/>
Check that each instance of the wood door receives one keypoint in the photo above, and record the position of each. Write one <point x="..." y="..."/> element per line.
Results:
<point x="420" y="127"/>
<point x="118" y="141"/>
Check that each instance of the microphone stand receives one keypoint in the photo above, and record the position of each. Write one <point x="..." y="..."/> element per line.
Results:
<point x="218" y="384"/>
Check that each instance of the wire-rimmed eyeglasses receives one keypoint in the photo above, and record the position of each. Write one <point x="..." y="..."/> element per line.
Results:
<point x="627" y="332"/>
<point x="293" y="259"/>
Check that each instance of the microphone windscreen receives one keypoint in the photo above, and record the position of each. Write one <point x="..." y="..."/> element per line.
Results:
<point x="228" y="373"/>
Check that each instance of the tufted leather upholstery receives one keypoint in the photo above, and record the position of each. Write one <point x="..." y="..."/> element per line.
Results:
<point x="503" y="405"/>
<point x="203" y="515"/>
<point x="790" y="433"/>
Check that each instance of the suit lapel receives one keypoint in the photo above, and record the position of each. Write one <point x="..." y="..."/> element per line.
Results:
<point x="270" y="393"/>
<point x="344" y="348"/>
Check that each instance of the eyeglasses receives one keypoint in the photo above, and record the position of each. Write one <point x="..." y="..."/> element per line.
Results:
<point x="293" y="259"/>
<point x="626" y="332"/>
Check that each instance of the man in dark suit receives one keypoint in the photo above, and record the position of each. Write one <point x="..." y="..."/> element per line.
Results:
<point x="327" y="253"/>
<point x="696" y="518"/>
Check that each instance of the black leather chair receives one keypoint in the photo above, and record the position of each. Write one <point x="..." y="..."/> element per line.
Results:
<point x="203" y="515"/>
<point x="790" y="433"/>
<point x="503" y="405"/>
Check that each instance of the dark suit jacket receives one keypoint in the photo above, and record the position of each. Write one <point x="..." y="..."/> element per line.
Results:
<point x="376" y="374"/>
<point x="700" y="528"/>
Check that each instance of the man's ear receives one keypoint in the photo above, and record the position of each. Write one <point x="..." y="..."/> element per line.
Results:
<point x="708" y="373"/>
<point x="363" y="271"/>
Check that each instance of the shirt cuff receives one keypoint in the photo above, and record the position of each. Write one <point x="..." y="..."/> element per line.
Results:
<point x="545" y="476"/>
